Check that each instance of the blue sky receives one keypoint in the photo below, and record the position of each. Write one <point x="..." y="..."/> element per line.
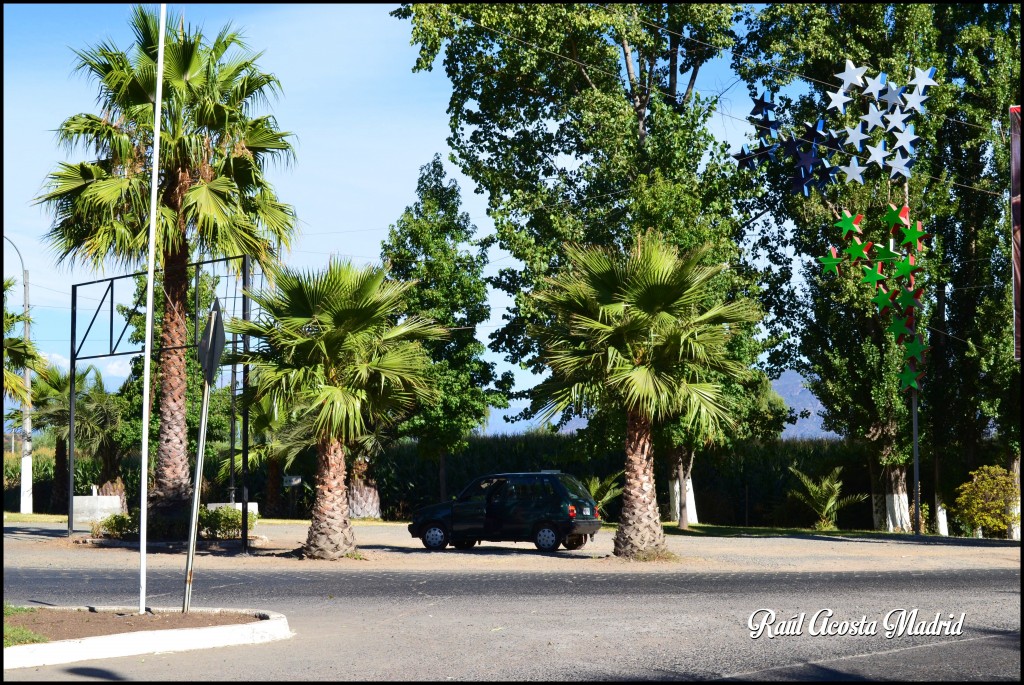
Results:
<point x="364" y="125"/>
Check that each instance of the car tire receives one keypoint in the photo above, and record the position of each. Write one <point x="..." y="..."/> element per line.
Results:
<point x="574" y="541"/>
<point x="546" y="538"/>
<point x="434" y="535"/>
<point x="464" y="544"/>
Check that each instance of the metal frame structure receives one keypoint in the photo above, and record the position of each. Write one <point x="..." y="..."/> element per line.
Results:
<point x="112" y="351"/>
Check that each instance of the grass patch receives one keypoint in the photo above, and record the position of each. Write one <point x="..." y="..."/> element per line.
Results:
<point x="355" y="555"/>
<point x="710" y="531"/>
<point x="16" y="635"/>
<point x="15" y="517"/>
<point x="662" y="554"/>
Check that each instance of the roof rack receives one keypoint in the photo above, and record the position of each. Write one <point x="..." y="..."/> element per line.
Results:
<point x="551" y="471"/>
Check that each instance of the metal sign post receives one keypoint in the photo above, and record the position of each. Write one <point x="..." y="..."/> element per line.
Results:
<point x="210" y="349"/>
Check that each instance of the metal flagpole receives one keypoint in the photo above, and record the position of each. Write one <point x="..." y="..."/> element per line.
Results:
<point x="144" y="481"/>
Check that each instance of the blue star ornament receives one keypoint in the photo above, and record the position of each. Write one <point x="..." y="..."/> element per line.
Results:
<point x="833" y="141"/>
<point x="808" y="160"/>
<point x="800" y="183"/>
<point x="915" y="100"/>
<point x="766" y="150"/>
<point x="852" y="76"/>
<point x="874" y="86"/>
<point x="762" y="106"/>
<point x="838" y="101"/>
<point x="900" y="165"/>
<point x="923" y="78"/>
<point x="791" y="145"/>
<point x="826" y="174"/>
<point x="814" y="133"/>
<point x="745" y="159"/>
<point x="855" y="136"/>
<point x="767" y="124"/>
<point x="853" y="170"/>
<point x="897" y="119"/>
<point x="873" y="119"/>
<point x="877" y="155"/>
<point x="893" y="97"/>
<point x="905" y="139"/>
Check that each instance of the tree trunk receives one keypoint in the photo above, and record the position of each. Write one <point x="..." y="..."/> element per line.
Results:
<point x="443" y="476"/>
<point x="687" y="509"/>
<point x="274" y="476"/>
<point x="363" y="498"/>
<point x="877" y="496"/>
<point x="896" y="502"/>
<point x="639" y="524"/>
<point x="59" y="493"/>
<point x="1013" y="530"/>
<point x="330" y="531"/>
<point x="172" y="473"/>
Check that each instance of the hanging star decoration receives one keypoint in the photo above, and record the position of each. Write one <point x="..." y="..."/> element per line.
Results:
<point x="889" y="108"/>
<point x="902" y="299"/>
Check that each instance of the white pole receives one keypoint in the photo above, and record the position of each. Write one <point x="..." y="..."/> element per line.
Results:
<point x="144" y="484"/>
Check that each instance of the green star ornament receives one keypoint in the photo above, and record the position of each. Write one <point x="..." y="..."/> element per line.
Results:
<point x="909" y="378"/>
<point x="906" y="268"/>
<point x="831" y="263"/>
<point x="883" y="299"/>
<point x="895" y="217"/>
<point x="849" y="224"/>
<point x="913" y="235"/>
<point x="915" y="349"/>
<point x="858" y="250"/>
<point x="908" y="298"/>
<point x="901" y="327"/>
<point x="873" y="274"/>
<point x="885" y="253"/>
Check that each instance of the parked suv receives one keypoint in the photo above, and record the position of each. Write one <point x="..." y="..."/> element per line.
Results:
<point x="549" y="508"/>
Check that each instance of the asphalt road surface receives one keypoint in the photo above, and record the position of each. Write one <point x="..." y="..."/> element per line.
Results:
<point x="528" y="625"/>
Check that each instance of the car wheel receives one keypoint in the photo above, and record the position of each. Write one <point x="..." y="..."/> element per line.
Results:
<point x="547" y="538"/>
<point x="464" y="544"/>
<point x="574" y="541"/>
<point x="435" y="536"/>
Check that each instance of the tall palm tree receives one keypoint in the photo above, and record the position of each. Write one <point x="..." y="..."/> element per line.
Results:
<point x="213" y="196"/>
<point x="18" y="353"/>
<point x="634" y="331"/>
<point x="328" y="349"/>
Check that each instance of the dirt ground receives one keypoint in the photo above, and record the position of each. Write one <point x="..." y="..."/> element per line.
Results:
<point x="71" y="624"/>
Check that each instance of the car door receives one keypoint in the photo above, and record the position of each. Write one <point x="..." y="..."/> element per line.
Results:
<point x="519" y="509"/>
<point x="469" y="510"/>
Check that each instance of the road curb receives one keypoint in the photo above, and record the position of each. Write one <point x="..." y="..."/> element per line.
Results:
<point x="273" y="626"/>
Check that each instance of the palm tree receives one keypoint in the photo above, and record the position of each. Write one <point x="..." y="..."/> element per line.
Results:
<point x="823" y="497"/>
<point x="51" y="398"/>
<point x="213" y="196"/>
<point x="328" y="350"/>
<point x="18" y="353"/>
<point x="634" y="331"/>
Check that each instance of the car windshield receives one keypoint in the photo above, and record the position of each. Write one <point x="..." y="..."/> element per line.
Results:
<point x="574" y="487"/>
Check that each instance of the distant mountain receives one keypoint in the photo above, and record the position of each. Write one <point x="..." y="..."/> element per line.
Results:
<point x="789" y="386"/>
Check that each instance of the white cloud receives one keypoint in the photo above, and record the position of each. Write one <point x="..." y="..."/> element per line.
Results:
<point x="119" y="367"/>
<point x="57" y="360"/>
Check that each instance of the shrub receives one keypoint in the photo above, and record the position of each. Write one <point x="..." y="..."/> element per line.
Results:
<point x="217" y="524"/>
<point x="987" y="499"/>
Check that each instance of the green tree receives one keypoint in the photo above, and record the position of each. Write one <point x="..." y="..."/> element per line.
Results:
<point x="582" y="124"/>
<point x="634" y="332"/>
<point x="213" y="197"/>
<point x="18" y="352"/>
<point x="987" y="500"/>
<point x="328" y="348"/>
<point x="430" y="245"/>
<point x="840" y="343"/>
<point x="824" y="497"/>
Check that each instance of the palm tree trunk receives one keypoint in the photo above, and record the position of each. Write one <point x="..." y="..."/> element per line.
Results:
<point x="59" y="494"/>
<point x="330" y="531"/>
<point x="172" y="472"/>
<point x="639" y="524"/>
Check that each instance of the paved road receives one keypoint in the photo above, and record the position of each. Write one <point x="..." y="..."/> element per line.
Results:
<point x="505" y="612"/>
<point x="512" y="625"/>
